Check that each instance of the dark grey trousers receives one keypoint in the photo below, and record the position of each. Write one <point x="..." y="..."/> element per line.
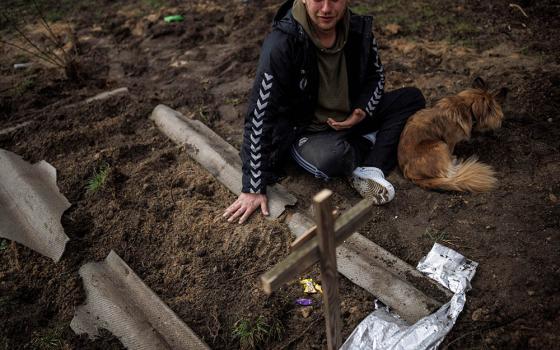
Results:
<point x="334" y="153"/>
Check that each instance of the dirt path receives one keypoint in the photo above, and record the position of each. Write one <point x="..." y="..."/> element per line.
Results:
<point x="161" y="212"/>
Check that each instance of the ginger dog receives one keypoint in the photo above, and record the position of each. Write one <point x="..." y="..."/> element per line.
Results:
<point x="429" y="138"/>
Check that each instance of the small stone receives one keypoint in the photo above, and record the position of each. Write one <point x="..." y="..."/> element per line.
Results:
<point x="530" y="293"/>
<point x="553" y="198"/>
<point x="152" y="18"/>
<point x="306" y="311"/>
<point x="549" y="120"/>
<point x="393" y="28"/>
<point x="202" y="252"/>
<point x="479" y="314"/>
<point x="215" y="269"/>
<point x="488" y="227"/>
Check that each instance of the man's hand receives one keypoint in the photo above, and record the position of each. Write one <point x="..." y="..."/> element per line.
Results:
<point x="245" y="205"/>
<point x="357" y="116"/>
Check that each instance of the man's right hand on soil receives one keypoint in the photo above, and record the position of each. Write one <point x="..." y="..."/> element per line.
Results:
<point x="245" y="205"/>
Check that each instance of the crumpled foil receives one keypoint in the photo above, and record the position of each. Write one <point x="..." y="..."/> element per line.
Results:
<point x="384" y="330"/>
<point x="449" y="268"/>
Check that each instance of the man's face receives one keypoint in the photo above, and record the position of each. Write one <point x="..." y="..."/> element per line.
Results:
<point x="325" y="14"/>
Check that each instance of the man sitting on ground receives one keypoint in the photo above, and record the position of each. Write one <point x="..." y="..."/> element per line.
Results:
<point x="319" y="97"/>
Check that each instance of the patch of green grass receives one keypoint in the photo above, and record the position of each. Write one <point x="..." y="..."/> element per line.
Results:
<point x="233" y="101"/>
<point x="98" y="180"/>
<point x="202" y="114"/>
<point x="25" y="85"/>
<point x="417" y="18"/>
<point x="50" y="339"/>
<point x="362" y="9"/>
<point x="435" y="235"/>
<point x="441" y="237"/>
<point x="277" y="330"/>
<point x="3" y="244"/>
<point x="253" y="334"/>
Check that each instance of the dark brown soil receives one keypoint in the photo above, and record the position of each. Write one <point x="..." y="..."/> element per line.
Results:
<point x="161" y="212"/>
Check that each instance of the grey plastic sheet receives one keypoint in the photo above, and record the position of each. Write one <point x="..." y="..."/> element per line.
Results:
<point x="384" y="330"/>
<point x="31" y="205"/>
<point x="119" y="301"/>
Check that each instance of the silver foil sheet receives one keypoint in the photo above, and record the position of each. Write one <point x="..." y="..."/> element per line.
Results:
<point x="384" y="330"/>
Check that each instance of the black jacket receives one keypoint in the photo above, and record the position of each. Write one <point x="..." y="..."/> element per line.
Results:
<point x="284" y="95"/>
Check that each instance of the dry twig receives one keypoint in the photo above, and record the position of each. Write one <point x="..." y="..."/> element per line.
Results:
<point x="519" y="8"/>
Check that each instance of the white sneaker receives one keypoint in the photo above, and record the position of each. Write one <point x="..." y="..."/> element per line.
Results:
<point x="371" y="184"/>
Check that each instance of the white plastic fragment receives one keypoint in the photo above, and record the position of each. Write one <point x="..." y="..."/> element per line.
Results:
<point x="31" y="205"/>
<point x="383" y="330"/>
<point x="106" y="95"/>
<point x="119" y="301"/>
<point x="22" y="65"/>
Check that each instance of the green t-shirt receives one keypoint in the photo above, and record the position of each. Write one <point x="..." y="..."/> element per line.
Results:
<point x="333" y="99"/>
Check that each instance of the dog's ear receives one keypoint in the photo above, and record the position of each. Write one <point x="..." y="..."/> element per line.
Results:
<point x="500" y="96"/>
<point x="478" y="83"/>
<point x="487" y="113"/>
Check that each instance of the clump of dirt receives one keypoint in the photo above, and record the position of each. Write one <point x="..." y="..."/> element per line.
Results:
<point x="161" y="212"/>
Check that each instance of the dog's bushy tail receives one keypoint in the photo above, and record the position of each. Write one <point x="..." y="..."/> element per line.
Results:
<point x="465" y="176"/>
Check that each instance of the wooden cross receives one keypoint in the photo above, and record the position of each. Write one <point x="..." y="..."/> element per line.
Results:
<point x="318" y="244"/>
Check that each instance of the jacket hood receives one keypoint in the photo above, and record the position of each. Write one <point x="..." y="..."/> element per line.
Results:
<point x="284" y="21"/>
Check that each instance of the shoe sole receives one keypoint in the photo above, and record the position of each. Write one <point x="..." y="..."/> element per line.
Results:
<point x="372" y="190"/>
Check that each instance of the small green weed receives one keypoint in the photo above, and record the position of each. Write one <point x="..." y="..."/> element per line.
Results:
<point x="202" y="114"/>
<point x="24" y="86"/>
<point x="276" y="330"/>
<point x="3" y="244"/>
<point x="233" y="101"/>
<point x="252" y="334"/>
<point x="435" y="235"/>
<point x="49" y="339"/>
<point x="362" y="9"/>
<point x="98" y="180"/>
